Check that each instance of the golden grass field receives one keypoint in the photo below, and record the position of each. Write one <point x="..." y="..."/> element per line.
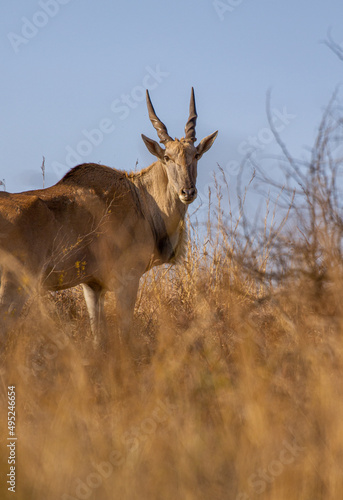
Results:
<point x="232" y="388"/>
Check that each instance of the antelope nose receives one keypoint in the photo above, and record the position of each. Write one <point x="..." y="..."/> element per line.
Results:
<point x="188" y="193"/>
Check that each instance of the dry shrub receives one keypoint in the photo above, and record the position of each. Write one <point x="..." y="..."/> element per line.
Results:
<point x="232" y="388"/>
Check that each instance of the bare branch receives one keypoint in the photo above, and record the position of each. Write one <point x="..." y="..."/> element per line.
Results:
<point x="43" y="171"/>
<point x="333" y="45"/>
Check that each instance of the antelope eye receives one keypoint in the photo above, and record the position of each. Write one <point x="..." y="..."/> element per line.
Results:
<point x="166" y="158"/>
<point x="197" y="156"/>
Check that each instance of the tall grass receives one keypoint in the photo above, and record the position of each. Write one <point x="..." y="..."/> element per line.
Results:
<point x="233" y="385"/>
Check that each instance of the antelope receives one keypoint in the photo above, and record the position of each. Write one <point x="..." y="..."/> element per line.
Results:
<point x="100" y="227"/>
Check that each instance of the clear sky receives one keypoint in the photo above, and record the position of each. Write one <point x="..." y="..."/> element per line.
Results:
<point x="73" y="73"/>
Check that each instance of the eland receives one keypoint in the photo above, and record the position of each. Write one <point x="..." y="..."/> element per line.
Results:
<point x="99" y="227"/>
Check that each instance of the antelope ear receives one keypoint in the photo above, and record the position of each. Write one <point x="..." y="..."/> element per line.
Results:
<point x="206" y="143"/>
<point x="153" y="146"/>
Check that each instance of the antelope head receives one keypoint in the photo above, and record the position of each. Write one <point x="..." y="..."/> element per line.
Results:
<point x="179" y="157"/>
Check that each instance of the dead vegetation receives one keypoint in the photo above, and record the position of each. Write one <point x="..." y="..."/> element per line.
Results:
<point x="232" y="388"/>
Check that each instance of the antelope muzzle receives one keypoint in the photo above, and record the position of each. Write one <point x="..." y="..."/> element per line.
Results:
<point x="188" y="195"/>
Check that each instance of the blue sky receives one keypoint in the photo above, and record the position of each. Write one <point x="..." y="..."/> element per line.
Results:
<point x="73" y="73"/>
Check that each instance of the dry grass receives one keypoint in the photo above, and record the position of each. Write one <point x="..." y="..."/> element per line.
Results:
<point x="232" y="391"/>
